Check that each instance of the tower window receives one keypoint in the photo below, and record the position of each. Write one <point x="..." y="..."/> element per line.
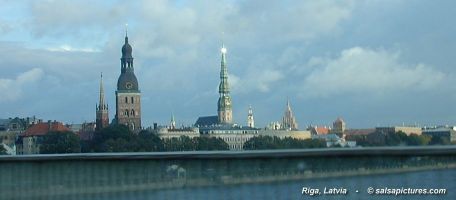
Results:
<point x="132" y="113"/>
<point x="132" y="100"/>
<point x="126" y="113"/>
<point x="126" y="99"/>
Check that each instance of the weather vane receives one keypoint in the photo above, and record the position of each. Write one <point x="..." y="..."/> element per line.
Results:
<point x="223" y="50"/>
<point x="126" y="29"/>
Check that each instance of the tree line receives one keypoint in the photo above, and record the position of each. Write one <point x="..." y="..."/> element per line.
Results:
<point x="398" y="139"/>
<point x="118" y="138"/>
<point x="269" y="142"/>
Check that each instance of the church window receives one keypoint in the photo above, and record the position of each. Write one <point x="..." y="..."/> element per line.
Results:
<point x="132" y="113"/>
<point x="132" y="100"/>
<point x="126" y="113"/>
<point x="126" y="99"/>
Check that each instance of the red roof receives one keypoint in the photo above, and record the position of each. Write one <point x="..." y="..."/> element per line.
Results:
<point x="322" y="130"/>
<point x="43" y="128"/>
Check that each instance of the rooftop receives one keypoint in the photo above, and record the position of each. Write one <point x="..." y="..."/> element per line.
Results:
<point x="43" y="128"/>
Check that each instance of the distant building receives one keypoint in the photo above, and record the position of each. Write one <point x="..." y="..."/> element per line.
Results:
<point x="29" y="142"/>
<point x="334" y="140"/>
<point x="172" y="124"/>
<point x="17" y="124"/>
<point x="168" y="133"/>
<point x="102" y="111"/>
<point x="85" y="131"/>
<point x="206" y="121"/>
<point x="274" y="126"/>
<point x="11" y="128"/>
<point x="394" y="129"/>
<point x="359" y="132"/>
<point x="338" y="126"/>
<point x="443" y="131"/>
<point x="236" y="136"/>
<point x="333" y="137"/>
<point x="288" y="120"/>
<point x="128" y="95"/>
<point x="250" y="120"/>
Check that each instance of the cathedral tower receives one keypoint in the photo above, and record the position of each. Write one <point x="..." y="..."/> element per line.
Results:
<point x="128" y="95"/>
<point x="102" y="118"/>
<point x="250" y="120"/>
<point x="288" y="120"/>
<point x="225" y="111"/>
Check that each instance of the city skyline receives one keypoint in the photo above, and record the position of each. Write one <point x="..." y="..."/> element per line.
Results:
<point x="330" y="63"/>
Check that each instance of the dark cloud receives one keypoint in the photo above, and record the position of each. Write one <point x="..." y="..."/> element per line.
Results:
<point x="295" y="49"/>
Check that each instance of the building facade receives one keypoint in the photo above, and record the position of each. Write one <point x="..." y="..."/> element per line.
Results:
<point x="30" y="141"/>
<point x="169" y="133"/>
<point x="394" y="129"/>
<point x="444" y="131"/>
<point x="236" y="136"/>
<point x="128" y="95"/>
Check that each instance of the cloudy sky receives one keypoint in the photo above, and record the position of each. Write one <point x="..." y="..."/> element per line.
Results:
<point x="370" y="62"/>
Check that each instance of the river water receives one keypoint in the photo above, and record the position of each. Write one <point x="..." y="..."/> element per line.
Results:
<point x="434" y="179"/>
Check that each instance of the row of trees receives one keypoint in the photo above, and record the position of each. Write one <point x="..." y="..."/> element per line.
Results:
<point x="119" y="138"/>
<point x="268" y="142"/>
<point x="398" y="139"/>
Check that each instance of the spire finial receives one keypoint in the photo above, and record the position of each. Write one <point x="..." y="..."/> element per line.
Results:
<point x="288" y="102"/>
<point x="126" y="30"/>
<point x="223" y="49"/>
<point x="101" y="100"/>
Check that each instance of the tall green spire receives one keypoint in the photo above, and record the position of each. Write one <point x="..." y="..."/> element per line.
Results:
<point x="224" y="88"/>
<point x="225" y="113"/>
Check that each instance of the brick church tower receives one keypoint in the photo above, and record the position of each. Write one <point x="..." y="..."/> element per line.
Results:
<point x="128" y="95"/>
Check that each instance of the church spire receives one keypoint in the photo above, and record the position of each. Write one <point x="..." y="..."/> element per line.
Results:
<point x="101" y="103"/>
<point x="126" y="61"/>
<point x="224" y="88"/>
<point x="288" y="104"/>
<point x="288" y="119"/>
<point x="126" y="30"/>
<point x="224" y="103"/>
<point x="102" y="115"/>
<point x="173" y="122"/>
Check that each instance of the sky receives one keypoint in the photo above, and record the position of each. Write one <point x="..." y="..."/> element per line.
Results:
<point x="373" y="62"/>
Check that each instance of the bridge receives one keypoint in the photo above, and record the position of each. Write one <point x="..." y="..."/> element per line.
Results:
<point x="111" y="175"/>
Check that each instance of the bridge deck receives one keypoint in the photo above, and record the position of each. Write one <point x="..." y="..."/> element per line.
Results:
<point x="288" y="153"/>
